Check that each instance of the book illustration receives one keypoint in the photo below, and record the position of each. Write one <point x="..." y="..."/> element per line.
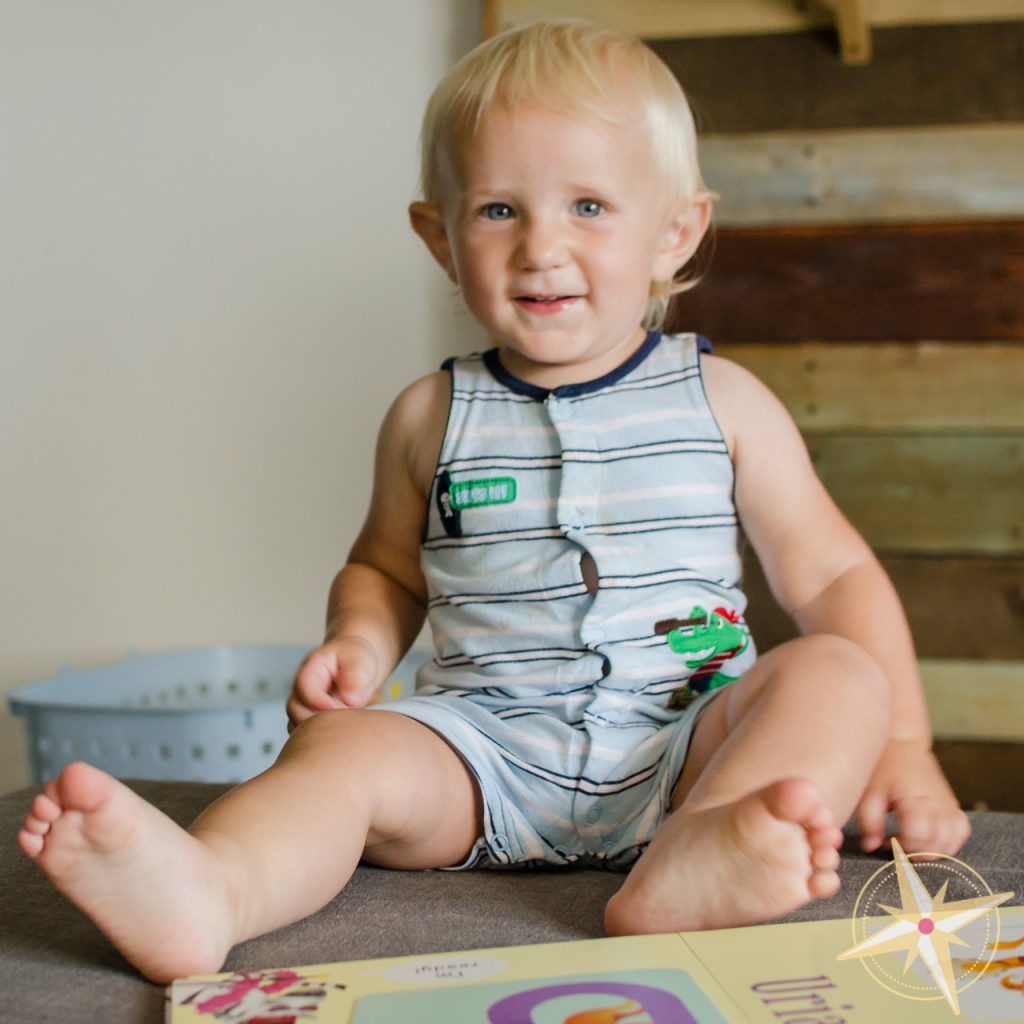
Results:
<point x="623" y="997"/>
<point x="999" y="993"/>
<point x="1010" y="968"/>
<point x="256" y="997"/>
<point x="608" y="1015"/>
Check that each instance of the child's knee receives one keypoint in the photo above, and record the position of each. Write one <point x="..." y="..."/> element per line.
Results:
<point x="348" y="733"/>
<point x="316" y="728"/>
<point x="850" y="671"/>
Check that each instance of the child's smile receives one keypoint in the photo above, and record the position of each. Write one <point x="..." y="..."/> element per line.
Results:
<point x="547" y="305"/>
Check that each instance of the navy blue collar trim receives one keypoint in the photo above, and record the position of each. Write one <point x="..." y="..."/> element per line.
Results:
<point x="522" y="387"/>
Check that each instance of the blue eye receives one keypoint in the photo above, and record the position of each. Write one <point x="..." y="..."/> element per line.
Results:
<point x="588" y="208"/>
<point x="497" y="211"/>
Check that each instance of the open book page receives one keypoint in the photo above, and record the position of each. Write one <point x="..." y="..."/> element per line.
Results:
<point x="773" y="973"/>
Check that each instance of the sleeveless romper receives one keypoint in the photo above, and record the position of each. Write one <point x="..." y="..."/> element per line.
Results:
<point x="574" y="710"/>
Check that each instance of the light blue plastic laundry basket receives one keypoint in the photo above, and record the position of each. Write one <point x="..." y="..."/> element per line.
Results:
<point x="214" y="714"/>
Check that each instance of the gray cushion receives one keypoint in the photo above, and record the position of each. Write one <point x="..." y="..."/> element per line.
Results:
<point x="53" y="958"/>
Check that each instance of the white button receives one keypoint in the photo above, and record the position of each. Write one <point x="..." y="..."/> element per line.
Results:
<point x="593" y="815"/>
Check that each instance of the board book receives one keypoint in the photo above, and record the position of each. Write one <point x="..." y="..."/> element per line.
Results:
<point x="787" y="973"/>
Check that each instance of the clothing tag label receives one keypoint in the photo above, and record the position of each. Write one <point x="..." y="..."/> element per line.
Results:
<point x="499" y="490"/>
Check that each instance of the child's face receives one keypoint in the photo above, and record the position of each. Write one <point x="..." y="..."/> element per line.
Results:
<point x="554" y="228"/>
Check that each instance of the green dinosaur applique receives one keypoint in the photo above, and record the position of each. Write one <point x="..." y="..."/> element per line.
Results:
<point x="707" y="640"/>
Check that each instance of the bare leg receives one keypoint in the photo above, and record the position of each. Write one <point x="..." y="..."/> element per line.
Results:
<point x="775" y="763"/>
<point x="348" y="784"/>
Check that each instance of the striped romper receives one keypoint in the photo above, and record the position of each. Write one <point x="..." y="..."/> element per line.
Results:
<point x="574" y="709"/>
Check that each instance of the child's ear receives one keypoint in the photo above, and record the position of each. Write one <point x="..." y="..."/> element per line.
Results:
<point x="428" y="223"/>
<point x="682" y="236"/>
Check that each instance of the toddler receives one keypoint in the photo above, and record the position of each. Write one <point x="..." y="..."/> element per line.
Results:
<point x="565" y="509"/>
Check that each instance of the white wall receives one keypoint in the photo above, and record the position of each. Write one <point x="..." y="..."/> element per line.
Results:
<point x="208" y="295"/>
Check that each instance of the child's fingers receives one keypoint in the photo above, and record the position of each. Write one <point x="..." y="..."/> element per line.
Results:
<point x="959" y="831"/>
<point x="916" y="825"/>
<point x="871" y="816"/>
<point x="316" y="680"/>
<point x="929" y="827"/>
<point x="336" y="675"/>
<point x="297" y="712"/>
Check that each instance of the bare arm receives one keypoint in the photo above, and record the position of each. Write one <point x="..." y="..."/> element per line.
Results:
<point x="826" y="577"/>
<point x="377" y="602"/>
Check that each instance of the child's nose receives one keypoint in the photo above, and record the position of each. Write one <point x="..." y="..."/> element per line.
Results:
<point x="541" y="245"/>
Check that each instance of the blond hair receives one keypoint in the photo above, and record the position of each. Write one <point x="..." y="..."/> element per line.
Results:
<point x="570" y="66"/>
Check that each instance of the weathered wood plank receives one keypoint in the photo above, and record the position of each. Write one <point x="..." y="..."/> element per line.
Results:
<point x="794" y="81"/>
<point x="895" y="282"/>
<point x="672" y="18"/>
<point x="928" y="493"/>
<point x="951" y="387"/>
<point x="966" y="607"/>
<point x="867" y="176"/>
<point x="930" y="12"/>
<point x="975" y="700"/>
<point x="984" y="776"/>
<point x="962" y="607"/>
<point x="668" y="18"/>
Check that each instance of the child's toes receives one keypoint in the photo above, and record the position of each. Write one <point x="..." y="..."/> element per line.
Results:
<point x="44" y="809"/>
<point x="35" y="825"/>
<point x="823" y="884"/>
<point x="825" y="859"/>
<point x="31" y="843"/>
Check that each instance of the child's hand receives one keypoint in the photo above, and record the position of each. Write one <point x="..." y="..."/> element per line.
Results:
<point x="339" y="674"/>
<point x="909" y="781"/>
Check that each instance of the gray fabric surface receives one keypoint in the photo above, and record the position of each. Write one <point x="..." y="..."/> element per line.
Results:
<point x="56" y="967"/>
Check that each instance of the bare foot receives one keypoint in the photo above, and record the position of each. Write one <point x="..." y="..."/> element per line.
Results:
<point x="156" y="892"/>
<point x="741" y="863"/>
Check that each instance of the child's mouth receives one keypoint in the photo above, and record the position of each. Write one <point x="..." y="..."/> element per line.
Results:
<point x="546" y="304"/>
